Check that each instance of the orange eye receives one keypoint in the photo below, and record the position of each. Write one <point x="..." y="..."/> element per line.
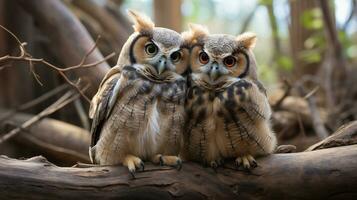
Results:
<point x="203" y="57"/>
<point x="229" y="61"/>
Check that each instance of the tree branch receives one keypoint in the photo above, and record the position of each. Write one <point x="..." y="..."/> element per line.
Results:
<point x="322" y="174"/>
<point x="71" y="42"/>
<point x="58" y="140"/>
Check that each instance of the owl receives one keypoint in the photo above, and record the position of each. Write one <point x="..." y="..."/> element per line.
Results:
<point x="227" y="108"/>
<point x="138" y="112"/>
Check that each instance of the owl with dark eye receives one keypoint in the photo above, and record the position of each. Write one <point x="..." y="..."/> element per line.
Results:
<point x="138" y="112"/>
<point x="227" y="108"/>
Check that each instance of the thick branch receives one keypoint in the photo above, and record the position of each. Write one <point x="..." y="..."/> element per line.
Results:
<point x="322" y="174"/>
<point x="72" y="41"/>
<point x="56" y="139"/>
<point x="106" y="20"/>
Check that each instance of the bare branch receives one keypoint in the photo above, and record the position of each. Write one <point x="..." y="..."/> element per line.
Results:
<point x="25" y="56"/>
<point x="60" y="103"/>
<point x="34" y="102"/>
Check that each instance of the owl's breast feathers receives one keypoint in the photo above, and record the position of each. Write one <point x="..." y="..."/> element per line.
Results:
<point x="225" y="115"/>
<point x="125" y="99"/>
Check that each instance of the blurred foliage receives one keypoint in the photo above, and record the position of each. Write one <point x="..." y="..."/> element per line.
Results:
<point x="228" y="16"/>
<point x="316" y="43"/>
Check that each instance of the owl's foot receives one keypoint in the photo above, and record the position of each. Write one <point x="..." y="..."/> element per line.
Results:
<point x="133" y="163"/>
<point x="247" y="161"/>
<point x="215" y="164"/>
<point x="173" y="161"/>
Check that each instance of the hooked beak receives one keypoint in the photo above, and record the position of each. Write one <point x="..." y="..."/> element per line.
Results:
<point x="161" y="66"/>
<point x="214" y="71"/>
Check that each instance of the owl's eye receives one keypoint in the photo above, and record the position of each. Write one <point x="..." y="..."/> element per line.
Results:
<point x="175" y="56"/>
<point x="151" y="49"/>
<point x="203" y="57"/>
<point x="229" y="61"/>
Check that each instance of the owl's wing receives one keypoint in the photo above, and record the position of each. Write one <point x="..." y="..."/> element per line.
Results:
<point x="103" y="102"/>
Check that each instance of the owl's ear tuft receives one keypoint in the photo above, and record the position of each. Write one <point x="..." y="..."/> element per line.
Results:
<point x="195" y="32"/>
<point x="247" y="40"/>
<point x="142" y="23"/>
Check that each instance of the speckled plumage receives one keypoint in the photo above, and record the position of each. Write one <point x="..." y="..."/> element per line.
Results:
<point x="228" y="116"/>
<point x="138" y="112"/>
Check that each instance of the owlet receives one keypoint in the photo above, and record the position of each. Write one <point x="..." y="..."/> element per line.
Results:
<point x="138" y="112"/>
<point x="227" y="108"/>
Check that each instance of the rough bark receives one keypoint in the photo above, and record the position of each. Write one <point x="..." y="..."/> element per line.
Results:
<point x="58" y="140"/>
<point x="345" y="135"/>
<point x="322" y="174"/>
<point x="70" y="43"/>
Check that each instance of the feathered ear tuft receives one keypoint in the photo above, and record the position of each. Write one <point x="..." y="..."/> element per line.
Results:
<point x="247" y="40"/>
<point x="195" y="32"/>
<point x="142" y="23"/>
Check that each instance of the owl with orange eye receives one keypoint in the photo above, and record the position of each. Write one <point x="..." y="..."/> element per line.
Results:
<point x="138" y="112"/>
<point x="228" y="114"/>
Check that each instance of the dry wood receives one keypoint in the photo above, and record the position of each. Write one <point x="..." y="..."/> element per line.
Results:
<point x="106" y="20"/>
<point x="27" y="57"/>
<point x="345" y="135"/>
<point x="71" y="42"/>
<point x="56" y="139"/>
<point x="322" y="174"/>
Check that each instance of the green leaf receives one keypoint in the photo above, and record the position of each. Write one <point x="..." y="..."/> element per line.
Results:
<point x="311" y="19"/>
<point x="285" y="63"/>
<point x="310" y="56"/>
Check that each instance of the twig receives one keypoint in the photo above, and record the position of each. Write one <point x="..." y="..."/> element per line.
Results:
<point x="83" y="116"/>
<point x="34" y="102"/>
<point x="317" y="123"/>
<point x="350" y="17"/>
<point x="25" y="56"/>
<point x="60" y="103"/>
<point x="288" y="88"/>
<point x="248" y="19"/>
<point x="301" y="125"/>
<point x="312" y="92"/>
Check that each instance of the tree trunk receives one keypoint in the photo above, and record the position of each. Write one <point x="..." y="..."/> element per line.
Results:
<point x="321" y="174"/>
<point x="168" y="14"/>
<point x="298" y="36"/>
<point x="70" y="43"/>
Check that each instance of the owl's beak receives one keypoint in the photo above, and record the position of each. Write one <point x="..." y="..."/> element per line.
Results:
<point x="214" y="71"/>
<point x="161" y="66"/>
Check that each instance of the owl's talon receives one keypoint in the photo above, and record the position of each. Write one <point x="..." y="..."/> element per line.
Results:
<point x="132" y="172"/>
<point x="172" y="161"/>
<point x="214" y="166"/>
<point x="142" y="166"/>
<point x="161" y="161"/>
<point x="238" y="162"/>
<point x="133" y="163"/>
<point x="247" y="161"/>
<point x="179" y="164"/>
<point x="254" y="164"/>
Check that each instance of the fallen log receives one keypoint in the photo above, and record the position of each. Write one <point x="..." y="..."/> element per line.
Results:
<point x="60" y="141"/>
<point x="70" y="43"/>
<point x="321" y="174"/>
